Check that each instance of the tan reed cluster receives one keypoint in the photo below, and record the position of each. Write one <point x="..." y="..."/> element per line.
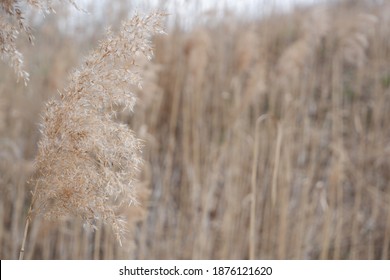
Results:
<point x="87" y="160"/>
<point x="263" y="138"/>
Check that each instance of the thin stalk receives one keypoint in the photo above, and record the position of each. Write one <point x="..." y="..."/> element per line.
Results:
<point x="27" y="225"/>
<point x="276" y="165"/>
<point x="252" y="225"/>
<point x="21" y="254"/>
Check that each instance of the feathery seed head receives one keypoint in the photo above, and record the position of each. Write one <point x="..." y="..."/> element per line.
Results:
<point x="87" y="161"/>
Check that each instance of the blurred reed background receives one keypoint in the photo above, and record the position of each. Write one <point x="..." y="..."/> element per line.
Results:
<point x="265" y="138"/>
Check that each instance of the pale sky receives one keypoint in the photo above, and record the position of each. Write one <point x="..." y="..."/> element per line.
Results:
<point x="188" y="11"/>
<point x="187" y="6"/>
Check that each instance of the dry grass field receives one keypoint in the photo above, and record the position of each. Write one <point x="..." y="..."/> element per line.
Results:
<point x="265" y="138"/>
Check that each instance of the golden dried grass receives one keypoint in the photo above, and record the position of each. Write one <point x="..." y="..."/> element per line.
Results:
<point x="244" y="159"/>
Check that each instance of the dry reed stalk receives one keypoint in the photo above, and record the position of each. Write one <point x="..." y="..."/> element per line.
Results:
<point x="252" y="224"/>
<point x="386" y="243"/>
<point x="2" y="214"/>
<point x="279" y="137"/>
<point x="87" y="161"/>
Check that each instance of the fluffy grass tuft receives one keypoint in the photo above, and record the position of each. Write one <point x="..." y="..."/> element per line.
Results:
<point x="87" y="160"/>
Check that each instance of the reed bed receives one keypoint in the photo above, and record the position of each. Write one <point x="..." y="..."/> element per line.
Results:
<point x="263" y="139"/>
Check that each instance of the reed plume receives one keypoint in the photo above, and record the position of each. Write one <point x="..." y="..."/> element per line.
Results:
<point x="12" y="23"/>
<point x="87" y="160"/>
